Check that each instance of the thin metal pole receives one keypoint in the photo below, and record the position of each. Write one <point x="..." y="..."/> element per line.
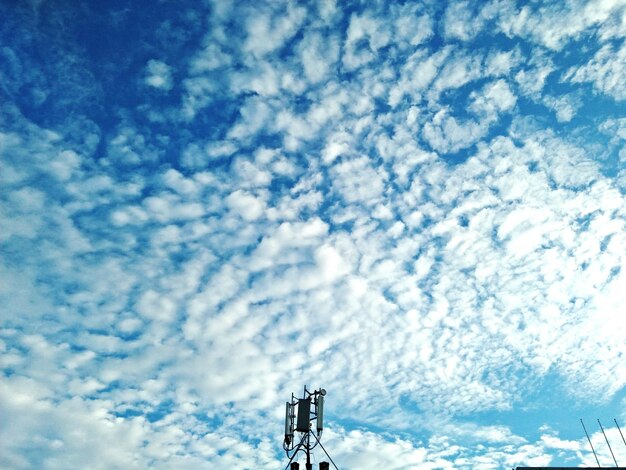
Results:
<point x="607" y="443"/>
<point x="620" y="431"/>
<point x="320" y="443"/>
<point x="592" y="449"/>
<point x="308" y="450"/>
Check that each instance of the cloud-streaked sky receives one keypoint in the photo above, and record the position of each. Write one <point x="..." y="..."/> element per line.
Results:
<point x="419" y="206"/>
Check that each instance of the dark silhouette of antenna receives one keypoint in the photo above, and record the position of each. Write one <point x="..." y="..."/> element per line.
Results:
<point x="590" y="444"/>
<point x="620" y="431"/>
<point x="302" y="421"/>
<point x="607" y="443"/>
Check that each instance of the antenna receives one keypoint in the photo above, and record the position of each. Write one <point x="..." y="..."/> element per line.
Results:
<point x="620" y="431"/>
<point x="607" y="443"/>
<point x="592" y="449"/>
<point x="319" y="410"/>
<point x="303" y="420"/>
<point x="289" y="415"/>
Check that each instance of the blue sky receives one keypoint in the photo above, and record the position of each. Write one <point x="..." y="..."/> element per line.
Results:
<point x="419" y="206"/>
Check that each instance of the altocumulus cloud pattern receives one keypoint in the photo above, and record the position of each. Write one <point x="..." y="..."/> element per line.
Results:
<point x="419" y="206"/>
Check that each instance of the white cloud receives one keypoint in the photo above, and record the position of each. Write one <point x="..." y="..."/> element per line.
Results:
<point x="446" y="134"/>
<point x="65" y="165"/>
<point x="255" y="115"/>
<point x="319" y="53"/>
<point x="265" y="79"/>
<point x="267" y="33"/>
<point x="159" y="75"/>
<point x="365" y="37"/>
<point x="616" y="127"/>
<point x="357" y="181"/>
<point x="533" y="79"/>
<point x="339" y="143"/>
<point x="154" y="305"/>
<point x="210" y="58"/>
<point x="199" y="91"/>
<point x="245" y="204"/>
<point x="167" y="207"/>
<point x="130" y="147"/>
<point x="460" y="22"/>
<point x="416" y="74"/>
<point x="283" y="246"/>
<point x="501" y="63"/>
<point x="457" y="71"/>
<point x="493" y="99"/>
<point x="554" y="25"/>
<point x="412" y="27"/>
<point x="605" y="71"/>
<point x="564" y="106"/>
<point x="197" y="155"/>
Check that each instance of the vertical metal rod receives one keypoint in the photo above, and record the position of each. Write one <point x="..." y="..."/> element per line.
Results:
<point x="592" y="449"/>
<point x="620" y="431"/>
<point x="308" y="450"/>
<point x="607" y="443"/>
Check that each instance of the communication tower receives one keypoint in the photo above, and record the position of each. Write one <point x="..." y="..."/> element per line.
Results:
<point x="310" y="408"/>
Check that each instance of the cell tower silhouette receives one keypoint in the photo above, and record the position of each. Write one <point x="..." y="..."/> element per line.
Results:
<point x="301" y="422"/>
